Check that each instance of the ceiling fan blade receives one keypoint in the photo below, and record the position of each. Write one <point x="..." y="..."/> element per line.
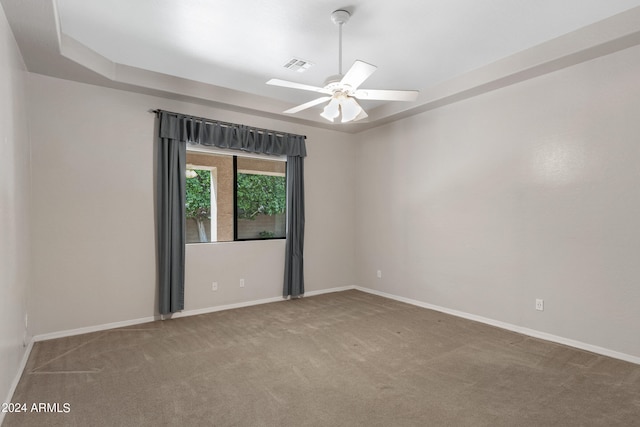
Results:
<point x="307" y="105"/>
<point x="294" y="85"/>
<point x="358" y="73"/>
<point x="387" y="95"/>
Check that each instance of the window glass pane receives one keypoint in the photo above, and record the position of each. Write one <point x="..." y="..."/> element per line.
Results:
<point x="209" y="198"/>
<point x="261" y="198"/>
<point x="198" y="205"/>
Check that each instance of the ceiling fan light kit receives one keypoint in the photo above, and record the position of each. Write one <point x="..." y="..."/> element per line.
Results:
<point x="342" y="90"/>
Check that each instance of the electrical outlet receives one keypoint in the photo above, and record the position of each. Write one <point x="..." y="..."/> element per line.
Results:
<point x="242" y="283"/>
<point x="379" y="274"/>
<point x="540" y="304"/>
<point x="214" y="286"/>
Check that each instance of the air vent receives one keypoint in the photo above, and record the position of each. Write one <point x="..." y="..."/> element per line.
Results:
<point x="299" y="65"/>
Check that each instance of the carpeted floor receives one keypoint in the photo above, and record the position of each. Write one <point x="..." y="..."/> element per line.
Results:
<point x="341" y="359"/>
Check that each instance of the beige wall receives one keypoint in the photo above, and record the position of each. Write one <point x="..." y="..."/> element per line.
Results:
<point x="527" y="192"/>
<point x="14" y="209"/>
<point x="93" y="232"/>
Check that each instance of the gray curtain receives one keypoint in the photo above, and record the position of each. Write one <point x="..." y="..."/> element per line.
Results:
<point x="171" y="221"/>
<point x="175" y="130"/>
<point x="293" y="264"/>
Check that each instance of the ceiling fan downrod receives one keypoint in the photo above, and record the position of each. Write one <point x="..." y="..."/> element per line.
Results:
<point x="340" y="17"/>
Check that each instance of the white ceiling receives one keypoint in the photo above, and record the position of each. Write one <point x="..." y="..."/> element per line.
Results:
<point x="230" y="48"/>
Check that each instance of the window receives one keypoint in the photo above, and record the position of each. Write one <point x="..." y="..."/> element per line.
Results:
<point x="232" y="198"/>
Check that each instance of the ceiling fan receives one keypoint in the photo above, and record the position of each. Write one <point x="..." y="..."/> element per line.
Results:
<point x="342" y="90"/>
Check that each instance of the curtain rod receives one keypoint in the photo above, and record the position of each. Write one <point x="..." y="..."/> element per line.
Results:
<point x="227" y="124"/>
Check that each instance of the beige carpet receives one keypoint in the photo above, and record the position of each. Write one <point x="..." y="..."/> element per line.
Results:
<point x="342" y="359"/>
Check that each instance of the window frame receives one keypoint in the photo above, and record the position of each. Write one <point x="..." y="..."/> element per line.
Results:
<point x="235" y="154"/>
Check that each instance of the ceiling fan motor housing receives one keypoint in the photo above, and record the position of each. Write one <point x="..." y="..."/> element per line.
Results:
<point x="340" y="16"/>
<point x="334" y="84"/>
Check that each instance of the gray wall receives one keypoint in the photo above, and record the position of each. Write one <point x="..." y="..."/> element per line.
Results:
<point x="14" y="209"/>
<point x="526" y="192"/>
<point x="93" y="203"/>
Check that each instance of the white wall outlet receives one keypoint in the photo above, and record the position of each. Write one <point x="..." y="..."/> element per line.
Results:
<point x="242" y="283"/>
<point x="540" y="304"/>
<point x="214" y="286"/>
<point x="379" y="274"/>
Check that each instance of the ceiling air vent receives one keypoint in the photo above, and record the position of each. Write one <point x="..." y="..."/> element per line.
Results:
<point x="299" y="65"/>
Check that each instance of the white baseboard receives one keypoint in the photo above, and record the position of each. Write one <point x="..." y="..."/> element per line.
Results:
<point x="328" y="291"/>
<point x="89" y="329"/>
<point x="254" y="302"/>
<point x="187" y="313"/>
<point x="184" y="313"/>
<point x="16" y="379"/>
<point x="510" y="327"/>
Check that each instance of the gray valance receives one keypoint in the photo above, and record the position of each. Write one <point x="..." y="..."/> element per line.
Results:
<point x="210" y="133"/>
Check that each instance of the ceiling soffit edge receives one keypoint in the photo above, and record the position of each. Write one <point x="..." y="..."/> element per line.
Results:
<point x="599" y="39"/>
